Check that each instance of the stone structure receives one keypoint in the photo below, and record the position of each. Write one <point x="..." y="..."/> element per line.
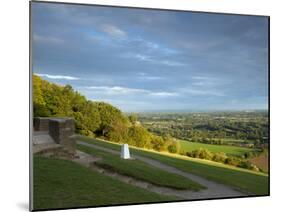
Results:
<point x="61" y="130"/>
<point x="125" y="153"/>
<point x="41" y="124"/>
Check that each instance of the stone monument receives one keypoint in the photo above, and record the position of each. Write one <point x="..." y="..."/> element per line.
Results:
<point x="125" y="153"/>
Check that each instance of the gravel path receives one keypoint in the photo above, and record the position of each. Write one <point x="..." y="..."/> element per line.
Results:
<point x="214" y="190"/>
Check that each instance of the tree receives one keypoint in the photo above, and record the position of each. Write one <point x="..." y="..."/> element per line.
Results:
<point x="139" y="136"/>
<point x="109" y="116"/>
<point x="118" y="132"/>
<point x="157" y="143"/>
<point x="133" y="118"/>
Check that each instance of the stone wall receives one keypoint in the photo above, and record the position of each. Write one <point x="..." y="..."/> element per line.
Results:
<point x="62" y="131"/>
<point x="41" y="124"/>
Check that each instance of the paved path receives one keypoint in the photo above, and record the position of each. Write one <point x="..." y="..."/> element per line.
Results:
<point x="214" y="190"/>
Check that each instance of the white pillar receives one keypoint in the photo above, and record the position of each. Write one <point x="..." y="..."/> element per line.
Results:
<point x="125" y="153"/>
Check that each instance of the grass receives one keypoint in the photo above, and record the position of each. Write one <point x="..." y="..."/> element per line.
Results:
<point x="65" y="184"/>
<point x="246" y="180"/>
<point x="188" y="146"/>
<point x="140" y="170"/>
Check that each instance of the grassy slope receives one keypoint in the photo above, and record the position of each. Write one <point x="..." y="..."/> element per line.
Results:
<point x="188" y="146"/>
<point x="141" y="170"/>
<point x="63" y="184"/>
<point x="243" y="179"/>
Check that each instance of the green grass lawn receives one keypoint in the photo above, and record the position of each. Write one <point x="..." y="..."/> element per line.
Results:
<point x="64" y="184"/>
<point x="243" y="179"/>
<point x="188" y="146"/>
<point x="140" y="170"/>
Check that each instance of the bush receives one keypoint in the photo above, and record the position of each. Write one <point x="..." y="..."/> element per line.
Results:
<point x="219" y="157"/>
<point x="172" y="148"/>
<point x="231" y="161"/>
<point x="157" y="143"/>
<point x="200" y="153"/>
<point x="87" y="133"/>
<point x="247" y="165"/>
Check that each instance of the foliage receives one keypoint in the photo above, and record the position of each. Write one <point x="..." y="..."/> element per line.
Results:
<point x="133" y="118"/>
<point x="157" y="143"/>
<point x="219" y="157"/>
<point x="200" y="153"/>
<point x="139" y="136"/>
<point x="93" y="119"/>
<point x="223" y="128"/>
<point x="172" y="148"/>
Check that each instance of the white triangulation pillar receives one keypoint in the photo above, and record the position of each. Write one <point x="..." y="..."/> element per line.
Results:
<point x="125" y="153"/>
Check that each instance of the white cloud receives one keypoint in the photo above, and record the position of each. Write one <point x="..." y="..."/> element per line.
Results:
<point x="203" y="78"/>
<point x="150" y="78"/>
<point x="57" y="76"/>
<point x="145" y="76"/>
<point x="147" y="58"/>
<point x="117" y="90"/>
<point x="153" y="47"/>
<point x="202" y="92"/>
<point x="142" y="57"/>
<point x="113" y="30"/>
<point x="164" y="94"/>
<point x="47" y="39"/>
<point x="172" y="63"/>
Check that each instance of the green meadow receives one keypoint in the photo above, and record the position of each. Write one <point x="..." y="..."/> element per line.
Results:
<point x="187" y="146"/>
<point x="140" y="170"/>
<point x="255" y="183"/>
<point x="65" y="184"/>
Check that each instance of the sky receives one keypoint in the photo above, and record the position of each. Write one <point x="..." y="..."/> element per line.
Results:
<point x="153" y="60"/>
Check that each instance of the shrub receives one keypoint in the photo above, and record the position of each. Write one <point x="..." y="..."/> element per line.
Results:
<point x="219" y="157"/>
<point x="247" y="165"/>
<point x="200" y="153"/>
<point x="231" y="161"/>
<point x="87" y="133"/>
<point x="172" y="148"/>
<point x="157" y="143"/>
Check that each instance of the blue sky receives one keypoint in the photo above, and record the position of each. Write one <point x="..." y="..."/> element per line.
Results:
<point x="148" y="60"/>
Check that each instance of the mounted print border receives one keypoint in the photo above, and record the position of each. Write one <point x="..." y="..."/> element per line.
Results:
<point x="142" y="105"/>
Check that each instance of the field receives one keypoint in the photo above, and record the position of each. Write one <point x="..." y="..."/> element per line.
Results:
<point x="242" y="179"/>
<point x="188" y="146"/>
<point x="140" y="170"/>
<point x="243" y="128"/>
<point x="64" y="184"/>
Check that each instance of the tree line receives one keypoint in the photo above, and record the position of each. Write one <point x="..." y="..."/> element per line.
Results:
<point x="95" y="119"/>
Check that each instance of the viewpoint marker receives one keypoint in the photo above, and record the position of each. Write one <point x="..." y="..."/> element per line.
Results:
<point x="125" y="153"/>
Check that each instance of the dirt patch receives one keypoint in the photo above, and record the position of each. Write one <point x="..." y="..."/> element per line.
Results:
<point x="261" y="162"/>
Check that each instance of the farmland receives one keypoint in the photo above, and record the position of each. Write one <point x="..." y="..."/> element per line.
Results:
<point x="229" y="150"/>
<point x="241" y="135"/>
<point x="248" y="128"/>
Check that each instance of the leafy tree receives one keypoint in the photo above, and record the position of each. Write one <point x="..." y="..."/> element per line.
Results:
<point x="110" y="115"/>
<point x="139" y="136"/>
<point x="118" y="132"/>
<point x="133" y="118"/>
<point x="157" y="143"/>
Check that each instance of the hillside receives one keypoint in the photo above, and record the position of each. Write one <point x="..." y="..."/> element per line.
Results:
<point x="93" y="119"/>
